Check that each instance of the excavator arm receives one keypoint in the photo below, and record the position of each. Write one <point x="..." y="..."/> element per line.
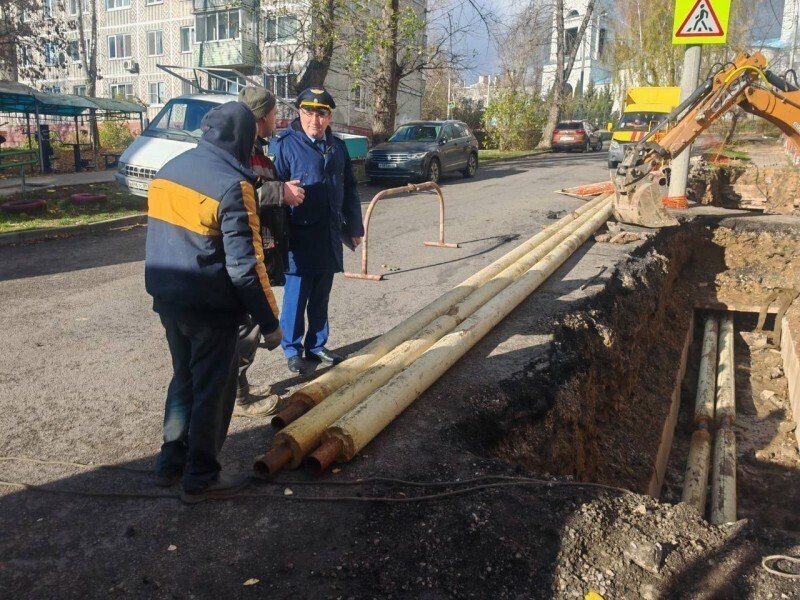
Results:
<point x="640" y="179"/>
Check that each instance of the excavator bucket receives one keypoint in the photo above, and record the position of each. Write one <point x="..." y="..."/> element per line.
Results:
<point x="640" y="203"/>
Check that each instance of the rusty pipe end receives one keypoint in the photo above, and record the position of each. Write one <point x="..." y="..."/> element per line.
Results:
<point x="267" y="465"/>
<point x="293" y="411"/>
<point x="323" y="457"/>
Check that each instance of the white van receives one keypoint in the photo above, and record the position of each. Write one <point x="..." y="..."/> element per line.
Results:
<point x="173" y="131"/>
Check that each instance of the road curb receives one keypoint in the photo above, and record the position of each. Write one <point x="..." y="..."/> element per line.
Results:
<point x="508" y="158"/>
<point x="36" y="235"/>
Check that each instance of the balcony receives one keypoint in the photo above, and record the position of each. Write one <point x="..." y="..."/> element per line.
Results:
<point x="239" y="54"/>
<point x="212" y="5"/>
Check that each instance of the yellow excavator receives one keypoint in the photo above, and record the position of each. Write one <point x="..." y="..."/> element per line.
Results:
<point x="745" y="82"/>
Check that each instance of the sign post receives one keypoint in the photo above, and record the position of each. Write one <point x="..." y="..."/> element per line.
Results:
<point x="696" y="22"/>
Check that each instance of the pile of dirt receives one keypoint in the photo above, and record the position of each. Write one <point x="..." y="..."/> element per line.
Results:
<point x="771" y="189"/>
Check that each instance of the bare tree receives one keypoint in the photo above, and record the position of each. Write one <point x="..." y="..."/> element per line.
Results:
<point x="564" y="64"/>
<point x="88" y="51"/>
<point x="31" y="40"/>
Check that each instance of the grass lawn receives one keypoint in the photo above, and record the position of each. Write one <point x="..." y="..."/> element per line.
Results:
<point x="61" y="212"/>
<point x="498" y="154"/>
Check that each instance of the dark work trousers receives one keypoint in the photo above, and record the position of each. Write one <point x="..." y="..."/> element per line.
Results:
<point x="249" y="336"/>
<point x="200" y="400"/>
<point x="301" y="294"/>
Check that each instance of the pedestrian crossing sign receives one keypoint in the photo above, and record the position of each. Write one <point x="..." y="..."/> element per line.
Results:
<point x="701" y="21"/>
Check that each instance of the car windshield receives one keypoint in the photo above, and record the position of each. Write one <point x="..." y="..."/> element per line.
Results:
<point x="180" y="117"/>
<point x="416" y="133"/>
<point x="639" y="121"/>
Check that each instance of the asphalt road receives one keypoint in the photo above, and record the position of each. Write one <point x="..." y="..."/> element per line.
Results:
<point x="84" y="365"/>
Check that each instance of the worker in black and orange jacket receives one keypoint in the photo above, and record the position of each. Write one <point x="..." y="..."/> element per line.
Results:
<point x="204" y="267"/>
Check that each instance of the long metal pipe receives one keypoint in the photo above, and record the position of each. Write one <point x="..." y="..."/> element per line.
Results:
<point x="726" y="392"/>
<point x="314" y="392"/>
<point x="706" y="378"/>
<point x="695" y="482"/>
<point x="354" y="430"/>
<point x="723" y="478"/>
<point x="303" y="435"/>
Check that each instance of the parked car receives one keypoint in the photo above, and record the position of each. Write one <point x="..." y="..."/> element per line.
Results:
<point x="423" y="150"/>
<point x="576" y="135"/>
<point x="176" y="129"/>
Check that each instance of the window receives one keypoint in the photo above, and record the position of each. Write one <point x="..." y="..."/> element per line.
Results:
<point x="182" y="115"/>
<point x="119" y="46"/>
<point x="187" y="88"/>
<point x="187" y="39"/>
<point x="53" y="89"/>
<point x="47" y="7"/>
<point x="601" y="43"/>
<point x="73" y="7"/>
<point x="360" y="98"/>
<point x="151" y="2"/>
<point x="156" y="91"/>
<point x="280" y="28"/>
<point x="121" y="91"/>
<point x="226" y="82"/>
<point x="25" y="56"/>
<point x="217" y="26"/>
<point x="155" y="43"/>
<point x="79" y="90"/>
<point x="283" y="86"/>
<point x="50" y="53"/>
<point x="570" y="36"/>
<point x="450" y="132"/>
<point x="116" y="4"/>
<point x="73" y="50"/>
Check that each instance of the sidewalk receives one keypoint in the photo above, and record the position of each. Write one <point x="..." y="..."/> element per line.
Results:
<point x="11" y="186"/>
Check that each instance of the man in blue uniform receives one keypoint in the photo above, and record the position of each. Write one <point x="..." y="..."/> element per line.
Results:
<point x="204" y="267"/>
<point x="308" y="152"/>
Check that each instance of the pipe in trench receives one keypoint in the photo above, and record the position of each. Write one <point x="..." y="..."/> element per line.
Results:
<point x="695" y="482"/>
<point x="303" y="436"/>
<point x="314" y="392"/>
<point x="348" y="435"/>
<point x="707" y="376"/>
<point x="726" y="393"/>
<point x="723" y="478"/>
<point x="723" y="461"/>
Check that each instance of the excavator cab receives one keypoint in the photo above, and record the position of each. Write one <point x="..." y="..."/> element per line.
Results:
<point x="640" y="180"/>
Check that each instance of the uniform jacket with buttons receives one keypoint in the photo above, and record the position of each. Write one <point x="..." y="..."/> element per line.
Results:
<point x="331" y="207"/>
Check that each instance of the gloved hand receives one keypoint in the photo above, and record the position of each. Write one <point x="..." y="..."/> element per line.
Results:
<point x="273" y="339"/>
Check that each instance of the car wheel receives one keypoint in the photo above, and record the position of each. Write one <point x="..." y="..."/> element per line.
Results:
<point x="599" y="146"/>
<point x="434" y="171"/>
<point x="472" y="166"/>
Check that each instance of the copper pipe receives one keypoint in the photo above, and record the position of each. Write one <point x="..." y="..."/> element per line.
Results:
<point x="272" y="461"/>
<point x="323" y="457"/>
<point x="410" y="188"/>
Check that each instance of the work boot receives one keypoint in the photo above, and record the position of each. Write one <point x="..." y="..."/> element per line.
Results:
<point x="257" y="407"/>
<point x="250" y="393"/>
<point x="226" y="485"/>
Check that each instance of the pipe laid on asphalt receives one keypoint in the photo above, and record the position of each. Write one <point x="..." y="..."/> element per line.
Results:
<point x="706" y="378"/>
<point x="695" y="482"/>
<point x="314" y="392"/>
<point x="303" y="436"/>
<point x="726" y="392"/>
<point x="354" y="430"/>
<point x="723" y="478"/>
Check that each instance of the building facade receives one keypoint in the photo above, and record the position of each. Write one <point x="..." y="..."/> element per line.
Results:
<point x="237" y="41"/>
<point x="592" y="61"/>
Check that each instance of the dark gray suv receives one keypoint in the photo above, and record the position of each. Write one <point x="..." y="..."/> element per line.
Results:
<point x="424" y="150"/>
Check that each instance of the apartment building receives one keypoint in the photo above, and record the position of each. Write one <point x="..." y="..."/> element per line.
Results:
<point x="259" y="39"/>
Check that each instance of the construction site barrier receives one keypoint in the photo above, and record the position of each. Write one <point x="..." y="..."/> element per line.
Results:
<point x="410" y="188"/>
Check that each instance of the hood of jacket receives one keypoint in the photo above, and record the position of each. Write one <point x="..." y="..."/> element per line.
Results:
<point x="232" y="128"/>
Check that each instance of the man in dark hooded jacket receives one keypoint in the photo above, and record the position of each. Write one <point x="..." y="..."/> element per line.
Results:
<point x="204" y="267"/>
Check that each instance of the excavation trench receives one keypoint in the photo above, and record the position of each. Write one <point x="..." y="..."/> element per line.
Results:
<point x="613" y="401"/>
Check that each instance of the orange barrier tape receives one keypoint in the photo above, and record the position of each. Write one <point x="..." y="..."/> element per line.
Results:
<point x="674" y="201"/>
